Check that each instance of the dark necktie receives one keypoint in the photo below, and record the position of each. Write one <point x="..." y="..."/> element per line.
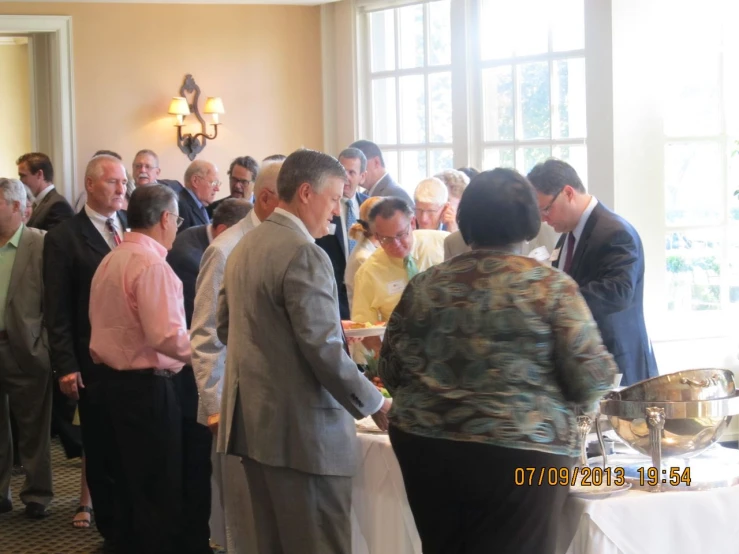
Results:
<point x="111" y="228"/>
<point x="205" y="214"/>
<point x="570" y="253"/>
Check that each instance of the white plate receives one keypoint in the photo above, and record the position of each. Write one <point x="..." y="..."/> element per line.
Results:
<point x="596" y="493"/>
<point x="376" y="331"/>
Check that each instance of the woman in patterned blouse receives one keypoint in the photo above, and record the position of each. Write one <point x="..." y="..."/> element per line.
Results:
<point x="487" y="357"/>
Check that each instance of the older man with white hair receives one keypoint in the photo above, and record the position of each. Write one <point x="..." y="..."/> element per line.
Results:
<point x="430" y="197"/>
<point x="231" y="520"/>
<point x="25" y="370"/>
<point x="201" y="186"/>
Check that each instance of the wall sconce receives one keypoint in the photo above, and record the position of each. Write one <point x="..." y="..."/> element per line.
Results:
<point x="182" y="106"/>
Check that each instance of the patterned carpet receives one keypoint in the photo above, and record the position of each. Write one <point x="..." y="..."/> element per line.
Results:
<point x="55" y="534"/>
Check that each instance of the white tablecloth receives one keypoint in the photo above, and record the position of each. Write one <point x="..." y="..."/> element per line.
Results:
<point x="635" y="523"/>
<point x="382" y="522"/>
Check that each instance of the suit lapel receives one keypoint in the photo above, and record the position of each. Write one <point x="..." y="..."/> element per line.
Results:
<point x="93" y="236"/>
<point x="22" y="256"/>
<point x="558" y="250"/>
<point x="582" y="243"/>
<point x="339" y="234"/>
<point x="40" y="208"/>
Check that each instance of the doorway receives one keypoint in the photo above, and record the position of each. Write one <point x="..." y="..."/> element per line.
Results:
<point x="46" y="45"/>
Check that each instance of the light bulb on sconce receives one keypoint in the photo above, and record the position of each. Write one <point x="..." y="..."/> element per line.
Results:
<point x="178" y="106"/>
<point x="214" y="107"/>
<point x="182" y="106"/>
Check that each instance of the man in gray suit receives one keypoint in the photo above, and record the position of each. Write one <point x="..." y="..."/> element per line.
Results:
<point x="231" y="521"/>
<point x="25" y="371"/>
<point x="291" y="388"/>
<point x="378" y="181"/>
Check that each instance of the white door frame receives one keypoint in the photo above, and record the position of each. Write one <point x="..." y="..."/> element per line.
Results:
<point x="64" y="155"/>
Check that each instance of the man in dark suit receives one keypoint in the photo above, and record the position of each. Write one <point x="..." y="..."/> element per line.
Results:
<point x="72" y="252"/>
<point x="184" y="258"/>
<point x="146" y="171"/>
<point x="201" y="186"/>
<point x="189" y="246"/>
<point x="378" y="181"/>
<point x="603" y="253"/>
<point x="241" y="177"/>
<point x="49" y="208"/>
<point x="337" y="243"/>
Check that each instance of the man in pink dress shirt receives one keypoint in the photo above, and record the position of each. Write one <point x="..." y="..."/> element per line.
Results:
<point x="139" y="334"/>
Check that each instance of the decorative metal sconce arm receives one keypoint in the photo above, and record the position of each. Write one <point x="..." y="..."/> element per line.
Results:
<point x="192" y="144"/>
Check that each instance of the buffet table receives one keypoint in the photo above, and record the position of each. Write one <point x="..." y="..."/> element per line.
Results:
<point x="634" y="523"/>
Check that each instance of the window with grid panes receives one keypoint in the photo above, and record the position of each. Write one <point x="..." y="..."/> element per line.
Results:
<point x="531" y="69"/>
<point x="410" y="89"/>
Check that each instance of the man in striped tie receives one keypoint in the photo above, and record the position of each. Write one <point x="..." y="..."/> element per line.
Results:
<point x="337" y="243"/>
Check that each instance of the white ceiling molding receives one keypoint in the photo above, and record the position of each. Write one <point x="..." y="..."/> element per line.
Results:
<point x="223" y="2"/>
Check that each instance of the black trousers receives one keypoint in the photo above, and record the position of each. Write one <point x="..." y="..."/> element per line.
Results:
<point x="62" y="415"/>
<point x="99" y="462"/>
<point x="196" y="468"/>
<point x="465" y="501"/>
<point x="144" y="440"/>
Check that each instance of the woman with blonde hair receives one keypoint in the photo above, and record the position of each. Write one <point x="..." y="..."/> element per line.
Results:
<point x="366" y="244"/>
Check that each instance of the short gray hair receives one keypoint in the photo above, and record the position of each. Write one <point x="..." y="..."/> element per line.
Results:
<point x="432" y="191"/>
<point x="355" y="154"/>
<point x="456" y="181"/>
<point x="269" y="172"/>
<point x="95" y="166"/>
<point x="13" y="191"/>
<point x="198" y="167"/>
<point x="306" y="166"/>
<point x="147" y="205"/>
<point x="231" y="211"/>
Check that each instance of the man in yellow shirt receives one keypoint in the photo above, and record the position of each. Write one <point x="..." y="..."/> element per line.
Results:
<point x="380" y="281"/>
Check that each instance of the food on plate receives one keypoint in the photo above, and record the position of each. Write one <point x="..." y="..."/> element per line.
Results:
<point x="380" y="386"/>
<point x="355" y="325"/>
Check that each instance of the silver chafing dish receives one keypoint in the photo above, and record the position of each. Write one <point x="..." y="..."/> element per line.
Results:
<point x="676" y="415"/>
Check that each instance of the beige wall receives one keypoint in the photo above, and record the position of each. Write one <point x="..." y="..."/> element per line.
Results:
<point x="130" y="59"/>
<point x="15" y="107"/>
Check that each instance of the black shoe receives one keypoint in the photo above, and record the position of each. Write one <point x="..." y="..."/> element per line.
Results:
<point x="6" y="506"/>
<point x="34" y="510"/>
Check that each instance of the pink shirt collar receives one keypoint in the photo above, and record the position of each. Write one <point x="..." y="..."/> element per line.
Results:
<point x="147" y="242"/>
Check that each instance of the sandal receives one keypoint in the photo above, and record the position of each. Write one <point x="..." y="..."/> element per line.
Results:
<point x="82" y="523"/>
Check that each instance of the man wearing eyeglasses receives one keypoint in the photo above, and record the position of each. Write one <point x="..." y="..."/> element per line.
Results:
<point x="603" y="253"/>
<point x="431" y="197"/>
<point x="139" y="338"/>
<point x="201" y="186"/>
<point x="241" y="177"/>
<point x="380" y="281"/>
<point x="146" y="171"/>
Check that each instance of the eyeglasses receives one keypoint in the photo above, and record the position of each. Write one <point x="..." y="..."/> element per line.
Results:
<point x="545" y="209"/>
<point x="180" y="220"/>
<point x="420" y="212"/>
<point x="242" y="182"/>
<point x="388" y="240"/>
<point x="144" y="166"/>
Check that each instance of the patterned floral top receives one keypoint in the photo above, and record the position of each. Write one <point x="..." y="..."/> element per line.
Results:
<point x="494" y="348"/>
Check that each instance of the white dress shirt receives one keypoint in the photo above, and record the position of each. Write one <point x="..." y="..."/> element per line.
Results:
<point x="41" y="195"/>
<point x="295" y="219"/>
<point x="98" y="220"/>
<point x="577" y="231"/>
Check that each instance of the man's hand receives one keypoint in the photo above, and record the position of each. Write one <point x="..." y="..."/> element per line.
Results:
<point x="213" y="421"/>
<point x="70" y="385"/>
<point x="380" y="416"/>
<point x="449" y="218"/>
